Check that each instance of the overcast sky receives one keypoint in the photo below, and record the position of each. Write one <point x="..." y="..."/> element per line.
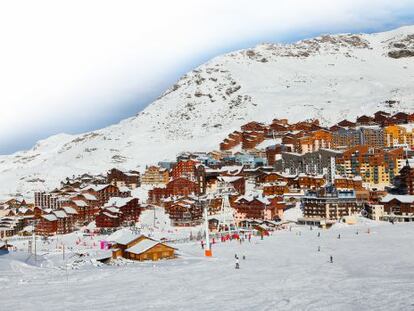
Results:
<point x="74" y="66"/>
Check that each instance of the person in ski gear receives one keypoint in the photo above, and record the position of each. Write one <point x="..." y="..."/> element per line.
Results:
<point x="237" y="264"/>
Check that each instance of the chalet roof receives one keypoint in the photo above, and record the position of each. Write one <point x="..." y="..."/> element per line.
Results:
<point x="118" y="201"/>
<point x="229" y="179"/>
<point x="142" y="246"/>
<point x="380" y="112"/>
<point x="346" y="123"/>
<point x="400" y="198"/>
<point x="111" y="216"/>
<point x="311" y="176"/>
<point x="132" y="174"/>
<point x="69" y="210"/>
<point x="89" y="197"/>
<point x="234" y="170"/>
<point x="80" y="203"/>
<point x="23" y="209"/>
<point x="96" y="188"/>
<point x="123" y="236"/>
<point x="182" y="204"/>
<point x="278" y="183"/>
<point x="102" y="254"/>
<point x="401" y="114"/>
<point x="60" y="214"/>
<point x="112" y="209"/>
<point x="372" y="127"/>
<point x="251" y="197"/>
<point x="50" y="217"/>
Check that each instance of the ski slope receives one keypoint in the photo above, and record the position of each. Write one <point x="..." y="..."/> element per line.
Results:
<point x="371" y="271"/>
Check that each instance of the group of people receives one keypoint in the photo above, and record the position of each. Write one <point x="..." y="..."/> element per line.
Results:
<point x="230" y="237"/>
<point x="237" y="261"/>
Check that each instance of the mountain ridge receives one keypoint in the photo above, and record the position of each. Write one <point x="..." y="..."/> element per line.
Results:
<point x="330" y="77"/>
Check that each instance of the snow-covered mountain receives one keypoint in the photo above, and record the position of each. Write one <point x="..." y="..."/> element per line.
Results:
<point x="329" y="77"/>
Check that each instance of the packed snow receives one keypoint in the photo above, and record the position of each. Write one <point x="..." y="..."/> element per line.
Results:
<point x="372" y="269"/>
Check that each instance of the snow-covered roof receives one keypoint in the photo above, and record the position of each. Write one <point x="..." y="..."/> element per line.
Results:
<point x="118" y="201"/>
<point x="232" y="169"/>
<point x="278" y="183"/>
<point x="110" y="216"/>
<point x="60" y="214"/>
<point x="373" y="127"/>
<point x="123" y="189"/>
<point x="89" y="197"/>
<point x="80" y="203"/>
<point x="142" y="246"/>
<point x="112" y="209"/>
<point x="131" y="174"/>
<point x="251" y="197"/>
<point x="50" y="217"/>
<point x="96" y="187"/>
<point x="310" y="176"/>
<point x="269" y="142"/>
<point x="123" y="236"/>
<point x="229" y="179"/>
<point x="69" y="210"/>
<point x="400" y="198"/>
<point x="23" y="209"/>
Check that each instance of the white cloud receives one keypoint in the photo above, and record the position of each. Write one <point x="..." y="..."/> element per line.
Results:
<point x="77" y="61"/>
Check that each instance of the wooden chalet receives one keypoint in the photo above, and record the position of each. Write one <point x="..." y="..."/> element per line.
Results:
<point x="140" y="247"/>
<point x="130" y="179"/>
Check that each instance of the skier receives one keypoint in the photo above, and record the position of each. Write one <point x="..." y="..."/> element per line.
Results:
<point x="237" y="264"/>
<point x="202" y="244"/>
<point x="339" y="236"/>
<point x="319" y="248"/>
<point x="331" y="259"/>
<point x="357" y="232"/>
<point x="319" y="234"/>
<point x="244" y="257"/>
<point x="235" y="256"/>
<point x="250" y="236"/>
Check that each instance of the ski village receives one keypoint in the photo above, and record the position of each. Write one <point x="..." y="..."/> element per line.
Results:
<point x="292" y="191"/>
<point x="279" y="177"/>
